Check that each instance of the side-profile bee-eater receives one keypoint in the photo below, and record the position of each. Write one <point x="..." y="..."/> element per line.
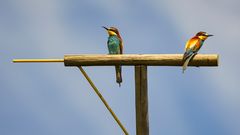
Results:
<point x="115" y="46"/>
<point x="192" y="46"/>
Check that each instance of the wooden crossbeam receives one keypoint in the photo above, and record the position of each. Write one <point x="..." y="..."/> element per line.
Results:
<point x="139" y="59"/>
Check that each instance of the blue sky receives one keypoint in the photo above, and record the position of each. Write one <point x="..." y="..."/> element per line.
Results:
<point x="44" y="99"/>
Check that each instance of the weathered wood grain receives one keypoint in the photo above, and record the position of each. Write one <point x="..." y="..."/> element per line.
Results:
<point x="141" y="100"/>
<point x="139" y="59"/>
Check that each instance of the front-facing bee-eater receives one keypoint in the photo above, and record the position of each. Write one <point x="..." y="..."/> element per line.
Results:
<point x="115" y="46"/>
<point x="193" y="45"/>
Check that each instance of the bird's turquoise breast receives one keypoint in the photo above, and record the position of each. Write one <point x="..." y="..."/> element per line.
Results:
<point x="113" y="45"/>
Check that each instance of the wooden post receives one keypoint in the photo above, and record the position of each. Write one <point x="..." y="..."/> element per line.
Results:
<point x="141" y="100"/>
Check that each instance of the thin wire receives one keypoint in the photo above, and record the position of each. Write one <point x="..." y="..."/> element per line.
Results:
<point x="103" y="100"/>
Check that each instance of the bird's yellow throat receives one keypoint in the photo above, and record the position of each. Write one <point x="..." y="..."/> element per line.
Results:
<point x="111" y="33"/>
<point x="203" y="37"/>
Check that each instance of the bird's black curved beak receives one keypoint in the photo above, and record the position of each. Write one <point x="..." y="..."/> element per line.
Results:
<point x="210" y="35"/>
<point x="105" y="27"/>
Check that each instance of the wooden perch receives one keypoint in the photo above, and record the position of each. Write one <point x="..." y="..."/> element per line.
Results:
<point x="139" y="59"/>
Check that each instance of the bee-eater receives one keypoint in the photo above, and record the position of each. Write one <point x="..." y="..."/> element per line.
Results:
<point x="115" y="46"/>
<point x="192" y="46"/>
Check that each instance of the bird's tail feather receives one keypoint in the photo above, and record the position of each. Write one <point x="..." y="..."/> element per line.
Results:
<point x="118" y="74"/>
<point x="186" y="61"/>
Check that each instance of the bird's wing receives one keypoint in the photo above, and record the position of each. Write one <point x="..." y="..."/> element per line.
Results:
<point x="121" y="46"/>
<point x="192" y="46"/>
<point x="192" y="43"/>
